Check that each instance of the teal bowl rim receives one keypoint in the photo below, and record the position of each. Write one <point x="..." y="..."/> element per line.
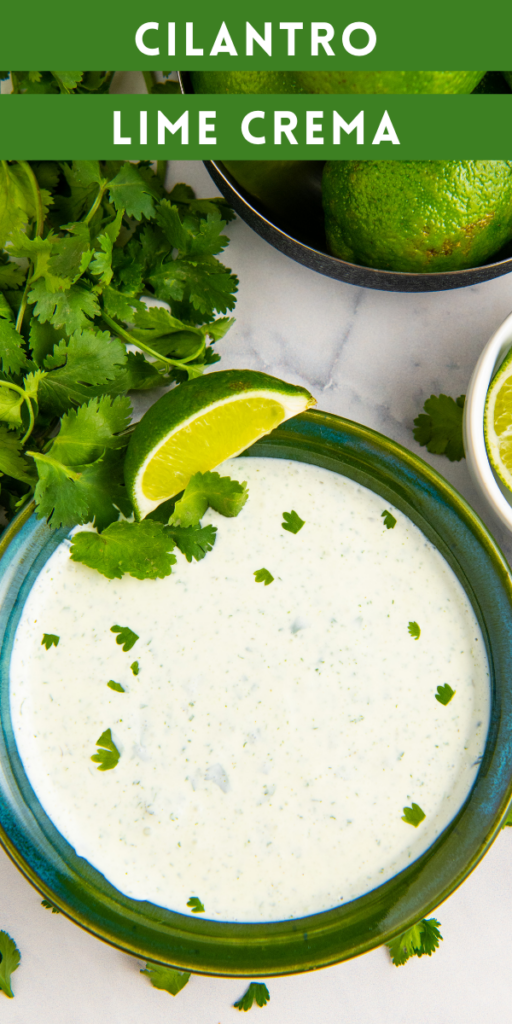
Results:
<point x="303" y="944"/>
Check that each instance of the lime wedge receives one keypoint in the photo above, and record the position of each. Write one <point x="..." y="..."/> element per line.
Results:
<point x="498" y="422"/>
<point x="198" y="425"/>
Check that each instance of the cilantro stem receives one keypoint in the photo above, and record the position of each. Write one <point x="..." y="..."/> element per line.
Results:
<point x="15" y="83"/>
<point x="96" y="203"/>
<point x="131" y="340"/>
<point x="25" y="397"/>
<point x="161" y="170"/>
<point x="149" y="80"/>
<point x="36" y="195"/>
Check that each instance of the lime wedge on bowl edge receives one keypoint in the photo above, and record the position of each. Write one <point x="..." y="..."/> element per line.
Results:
<point x="198" y="425"/>
<point x="498" y="422"/>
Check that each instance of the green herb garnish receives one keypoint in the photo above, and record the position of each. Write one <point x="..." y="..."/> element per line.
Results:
<point x="389" y="520"/>
<point x="420" y="940"/>
<point x="108" y="754"/>
<point x="292" y="522"/>
<point x="141" y="549"/>
<point x="166" y="978"/>
<point x="116" y="686"/>
<point x="256" y="993"/>
<point x="439" y="428"/>
<point x="50" y="640"/>
<point x="126" y="637"/>
<point x="263" y="576"/>
<point x="413" y="815"/>
<point x="414" y="630"/>
<point x="444" y="694"/>
<point x="135" y="668"/>
<point x="50" y="906"/>
<point x="195" y="905"/>
<point x="208" y="490"/>
<point x="10" y="960"/>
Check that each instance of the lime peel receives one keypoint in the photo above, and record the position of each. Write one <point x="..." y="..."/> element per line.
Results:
<point x="498" y="422"/>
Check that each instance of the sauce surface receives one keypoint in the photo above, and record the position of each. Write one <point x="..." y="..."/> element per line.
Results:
<point x="274" y="734"/>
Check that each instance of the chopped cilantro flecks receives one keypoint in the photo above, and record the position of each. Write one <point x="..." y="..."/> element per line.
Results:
<point x="116" y="686"/>
<point x="50" y="906"/>
<point x="10" y="960"/>
<point x="108" y="754"/>
<point x="127" y="638"/>
<point x="420" y="940"/>
<point x="439" y="428"/>
<point x="166" y="978"/>
<point x="208" y="490"/>
<point x="414" y="630"/>
<point x="135" y="668"/>
<point x="195" y="905"/>
<point x="444" y="694"/>
<point x="50" y="640"/>
<point x="389" y="519"/>
<point x="263" y="576"/>
<point x="256" y="993"/>
<point x="292" y="522"/>
<point x="413" y="815"/>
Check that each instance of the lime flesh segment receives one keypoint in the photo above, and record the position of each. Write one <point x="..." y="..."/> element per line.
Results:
<point x="223" y="431"/>
<point x="498" y="422"/>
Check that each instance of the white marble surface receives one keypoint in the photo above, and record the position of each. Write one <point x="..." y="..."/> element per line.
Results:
<point x="373" y="357"/>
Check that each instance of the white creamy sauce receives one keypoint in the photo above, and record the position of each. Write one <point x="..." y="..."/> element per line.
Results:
<point x="274" y="733"/>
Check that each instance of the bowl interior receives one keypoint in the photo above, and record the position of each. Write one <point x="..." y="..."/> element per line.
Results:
<point x="498" y="497"/>
<point x="262" y="950"/>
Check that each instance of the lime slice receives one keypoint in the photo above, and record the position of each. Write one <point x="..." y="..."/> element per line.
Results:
<point x="498" y="422"/>
<point x="197" y="425"/>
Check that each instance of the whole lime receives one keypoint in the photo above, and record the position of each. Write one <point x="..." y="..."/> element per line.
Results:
<point x="335" y="81"/>
<point x="419" y="216"/>
<point x="244" y="82"/>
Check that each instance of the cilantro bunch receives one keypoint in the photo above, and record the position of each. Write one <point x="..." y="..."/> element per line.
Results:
<point x="66" y="82"/>
<point x="80" y="244"/>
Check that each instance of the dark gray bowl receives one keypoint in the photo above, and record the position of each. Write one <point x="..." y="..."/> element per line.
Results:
<point x="282" y="201"/>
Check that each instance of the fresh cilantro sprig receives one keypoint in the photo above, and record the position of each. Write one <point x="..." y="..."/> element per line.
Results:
<point x="166" y="978"/>
<point x="439" y="428"/>
<point x="421" y="940"/>
<point x="9" y="962"/>
<point x="256" y="993"/>
<point x="80" y="243"/>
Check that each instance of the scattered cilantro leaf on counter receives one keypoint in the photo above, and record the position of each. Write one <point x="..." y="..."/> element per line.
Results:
<point x="421" y="940"/>
<point x="195" y="905"/>
<point x="108" y="754"/>
<point x="292" y="522"/>
<point x="389" y="520"/>
<point x="413" y="815"/>
<point x="193" y="541"/>
<point x="166" y="978"/>
<point x="126" y="638"/>
<point x="9" y="963"/>
<point x="256" y="993"/>
<point x="50" y="906"/>
<point x="135" y="668"/>
<point x="116" y="686"/>
<point x="439" y="428"/>
<point x="50" y="640"/>
<point x="444" y="694"/>
<point x="414" y="630"/>
<point x="141" y="549"/>
<point x="507" y="823"/>
<point x="263" y="576"/>
<point x="209" y="490"/>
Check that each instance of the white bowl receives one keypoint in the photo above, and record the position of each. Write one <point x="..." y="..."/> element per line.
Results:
<point x="496" y="494"/>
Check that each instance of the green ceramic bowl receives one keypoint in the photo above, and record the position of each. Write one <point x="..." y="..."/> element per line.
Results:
<point x="262" y="950"/>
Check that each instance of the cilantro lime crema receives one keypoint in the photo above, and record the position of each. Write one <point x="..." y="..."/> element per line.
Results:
<point x="294" y="719"/>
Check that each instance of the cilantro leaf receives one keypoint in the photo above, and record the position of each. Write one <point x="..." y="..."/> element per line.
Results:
<point x="68" y="80"/>
<point x="12" y="462"/>
<point x="9" y="963"/>
<point x="108" y="754"/>
<point x="116" y="686"/>
<point x="444" y="694"/>
<point x="193" y="541"/>
<point x="13" y="357"/>
<point x="414" y="630"/>
<point x="195" y="905"/>
<point x="129" y="192"/>
<point x="292" y="522"/>
<point x="50" y="906"/>
<point x="50" y="640"/>
<point x="204" y="284"/>
<point x="81" y="368"/>
<point x="135" y="668"/>
<point x="141" y="549"/>
<point x="166" y="978"/>
<point x="86" y="432"/>
<point x="413" y="815"/>
<point x="73" y="309"/>
<point x="224" y="495"/>
<point x="421" y="940"/>
<point x="256" y="993"/>
<point x="389" y="520"/>
<point x="16" y="200"/>
<point x="127" y="638"/>
<point x="263" y="576"/>
<point x="439" y="428"/>
<point x="68" y="496"/>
